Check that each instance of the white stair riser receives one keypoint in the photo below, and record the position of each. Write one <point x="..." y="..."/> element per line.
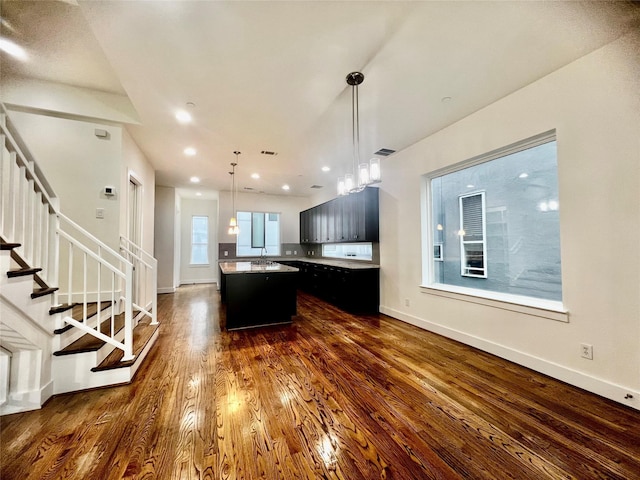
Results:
<point x="6" y="263"/>
<point x="73" y="372"/>
<point x="18" y="291"/>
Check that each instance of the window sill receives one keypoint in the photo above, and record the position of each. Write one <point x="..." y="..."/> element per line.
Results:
<point x="199" y="265"/>
<point x="536" y="307"/>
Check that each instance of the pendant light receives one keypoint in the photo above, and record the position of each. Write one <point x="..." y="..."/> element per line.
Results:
<point x="233" y="222"/>
<point x="362" y="173"/>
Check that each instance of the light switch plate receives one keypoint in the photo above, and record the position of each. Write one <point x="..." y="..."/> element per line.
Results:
<point x="99" y="212"/>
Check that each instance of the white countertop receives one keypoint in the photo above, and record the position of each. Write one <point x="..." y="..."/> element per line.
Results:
<point x="253" y="267"/>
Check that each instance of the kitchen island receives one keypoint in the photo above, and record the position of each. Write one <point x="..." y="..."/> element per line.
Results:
<point x="258" y="293"/>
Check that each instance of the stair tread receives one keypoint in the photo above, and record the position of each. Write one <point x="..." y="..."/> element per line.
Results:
<point x="77" y="313"/>
<point x="8" y="245"/>
<point x="61" y="308"/>
<point x="89" y="343"/>
<point x="40" y="292"/>
<point x="92" y="309"/>
<point x="142" y="333"/>
<point x="22" y="272"/>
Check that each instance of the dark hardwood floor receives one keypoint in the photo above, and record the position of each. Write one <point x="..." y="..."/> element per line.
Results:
<point x="331" y="396"/>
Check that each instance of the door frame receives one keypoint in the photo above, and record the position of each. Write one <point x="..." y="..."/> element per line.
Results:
<point x="133" y="178"/>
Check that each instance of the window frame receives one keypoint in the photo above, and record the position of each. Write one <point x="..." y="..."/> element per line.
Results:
<point x="267" y="253"/>
<point x="206" y="244"/>
<point x="548" y="309"/>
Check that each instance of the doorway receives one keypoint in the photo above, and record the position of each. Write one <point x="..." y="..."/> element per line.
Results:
<point x="134" y="233"/>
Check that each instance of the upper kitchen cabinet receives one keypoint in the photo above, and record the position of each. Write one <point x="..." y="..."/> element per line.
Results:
<point x="352" y="218"/>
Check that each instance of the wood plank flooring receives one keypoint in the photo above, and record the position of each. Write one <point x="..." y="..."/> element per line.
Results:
<point x="331" y="396"/>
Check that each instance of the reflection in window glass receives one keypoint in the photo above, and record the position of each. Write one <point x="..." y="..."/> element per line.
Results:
<point x="259" y="234"/>
<point x="257" y="230"/>
<point x="495" y="225"/>
<point x="199" y="240"/>
<point x="472" y="236"/>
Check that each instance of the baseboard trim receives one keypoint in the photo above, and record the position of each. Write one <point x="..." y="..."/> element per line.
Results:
<point x="46" y="392"/>
<point x="27" y="401"/>
<point x="595" y="385"/>
<point x="167" y="290"/>
<point x="198" y="281"/>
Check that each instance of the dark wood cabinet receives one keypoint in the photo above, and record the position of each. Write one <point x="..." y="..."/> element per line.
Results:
<point x="352" y="218"/>
<point x="256" y="299"/>
<point x="304" y="226"/>
<point x="356" y="290"/>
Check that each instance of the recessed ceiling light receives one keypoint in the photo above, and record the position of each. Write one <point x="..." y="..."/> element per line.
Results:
<point x="285" y="187"/>
<point x="13" y="49"/>
<point x="326" y="169"/>
<point x="470" y="186"/>
<point x="183" y="116"/>
<point x="446" y="99"/>
<point x="523" y="175"/>
<point x="198" y="194"/>
<point x="255" y="175"/>
<point x="194" y="180"/>
<point x="190" y="151"/>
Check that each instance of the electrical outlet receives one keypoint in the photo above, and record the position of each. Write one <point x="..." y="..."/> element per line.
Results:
<point x="586" y="351"/>
<point x="226" y="253"/>
<point x="407" y="303"/>
<point x="295" y="252"/>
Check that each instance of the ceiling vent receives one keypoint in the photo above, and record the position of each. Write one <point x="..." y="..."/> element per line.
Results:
<point x="268" y="152"/>
<point x="249" y="188"/>
<point x="384" y="152"/>
<point x="316" y="186"/>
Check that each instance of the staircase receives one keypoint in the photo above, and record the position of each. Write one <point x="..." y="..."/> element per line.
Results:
<point x="74" y="313"/>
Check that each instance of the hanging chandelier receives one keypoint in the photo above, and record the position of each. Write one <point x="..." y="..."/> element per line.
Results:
<point x="362" y="173"/>
<point x="233" y="222"/>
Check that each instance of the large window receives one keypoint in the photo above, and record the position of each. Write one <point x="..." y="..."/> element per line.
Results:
<point x="199" y="240"/>
<point x="494" y="223"/>
<point x="259" y="234"/>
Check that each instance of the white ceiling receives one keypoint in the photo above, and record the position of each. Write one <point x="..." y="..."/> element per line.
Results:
<point x="270" y="75"/>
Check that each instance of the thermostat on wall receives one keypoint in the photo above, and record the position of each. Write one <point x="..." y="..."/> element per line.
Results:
<point x="109" y="191"/>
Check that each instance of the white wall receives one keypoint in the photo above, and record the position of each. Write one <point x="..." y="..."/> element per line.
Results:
<point x="177" y="241"/>
<point x="288" y="206"/>
<point x="78" y="165"/>
<point x="165" y="245"/>
<point x="135" y="164"/>
<point x="594" y="105"/>
<point x="70" y="100"/>
<point x="198" y="273"/>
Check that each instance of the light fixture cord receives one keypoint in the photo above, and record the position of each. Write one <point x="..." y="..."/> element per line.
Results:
<point x="355" y="124"/>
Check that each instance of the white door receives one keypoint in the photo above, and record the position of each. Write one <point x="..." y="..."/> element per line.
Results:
<point x="135" y="215"/>
<point x="134" y="234"/>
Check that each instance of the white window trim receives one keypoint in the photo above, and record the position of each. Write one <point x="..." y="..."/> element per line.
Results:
<point x="537" y="307"/>
<point x="548" y="309"/>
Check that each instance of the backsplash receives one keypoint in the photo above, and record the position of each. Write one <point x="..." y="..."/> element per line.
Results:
<point x="294" y="250"/>
<point x="228" y="250"/>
